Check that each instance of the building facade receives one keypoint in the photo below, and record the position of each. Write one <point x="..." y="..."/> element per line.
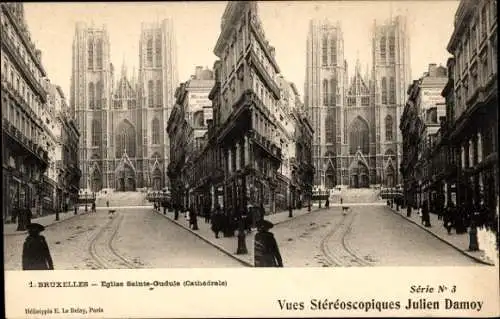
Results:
<point x="356" y="141"/>
<point x="472" y="107"/>
<point x="24" y="134"/>
<point x="245" y="120"/>
<point x="66" y="175"/>
<point x="122" y="147"/>
<point x="187" y="129"/>
<point x="419" y="126"/>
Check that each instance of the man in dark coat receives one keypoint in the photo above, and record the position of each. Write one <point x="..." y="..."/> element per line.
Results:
<point x="217" y="220"/>
<point x="266" y="252"/>
<point x="36" y="253"/>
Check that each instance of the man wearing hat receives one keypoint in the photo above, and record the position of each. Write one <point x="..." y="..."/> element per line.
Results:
<point x="36" y="254"/>
<point x="266" y="252"/>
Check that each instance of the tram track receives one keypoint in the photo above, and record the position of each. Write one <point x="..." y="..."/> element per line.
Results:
<point x="101" y="247"/>
<point x="335" y="246"/>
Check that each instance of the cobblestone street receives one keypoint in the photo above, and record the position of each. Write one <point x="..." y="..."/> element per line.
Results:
<point x="133" y="238"/>
<point x="364" y="236"/>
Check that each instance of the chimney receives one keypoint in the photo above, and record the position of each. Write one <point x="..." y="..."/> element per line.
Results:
<point x="432" y="69"/>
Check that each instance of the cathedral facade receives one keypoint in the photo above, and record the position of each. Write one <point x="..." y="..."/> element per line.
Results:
<point x="355" y="119"/>
<point x="122" y="119"/>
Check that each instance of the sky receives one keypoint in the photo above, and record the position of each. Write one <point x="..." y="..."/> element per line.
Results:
<point x="197" y="27"/>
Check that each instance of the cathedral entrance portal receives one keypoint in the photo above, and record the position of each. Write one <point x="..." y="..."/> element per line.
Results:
<point x="359" y="177"/>
<point x="330" y="180"/>
<point x="126" y="179"/>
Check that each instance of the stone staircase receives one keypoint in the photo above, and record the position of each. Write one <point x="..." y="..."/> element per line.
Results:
<point x="360" y="195"/>
<point x="122" y="199"/>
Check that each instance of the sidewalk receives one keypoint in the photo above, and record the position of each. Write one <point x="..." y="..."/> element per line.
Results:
<point x="229" y="245"/>
<point x="47" y="220"/>
<point x="457" y="241"/>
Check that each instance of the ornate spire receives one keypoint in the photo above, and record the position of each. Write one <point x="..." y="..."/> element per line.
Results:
<point x="358" y="64"/>
<point x="124" y="68"/>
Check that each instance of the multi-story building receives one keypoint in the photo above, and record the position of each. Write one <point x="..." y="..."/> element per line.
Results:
<point x="24" y="135"/>
<point x="356" y="141"/>
<point x="187" y="128"/>
<point x="472" y="105"/>
<point x="67" y="173"/>
<point x="50" y="178"/>
<point x="245" y="117"/>
<point x="301" y="164"/>
<point x="122" y="146"/>
<point x="419" y="125"/>
<point x="284" y="138"/>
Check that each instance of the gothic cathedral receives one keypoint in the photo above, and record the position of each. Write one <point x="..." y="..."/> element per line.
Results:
<point x="357" y="141"/>
<point x="123" y="145"/>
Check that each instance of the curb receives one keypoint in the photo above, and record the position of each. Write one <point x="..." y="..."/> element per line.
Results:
<point x="24" y="232"/>
<point x="463" y="252"/>
<point x="222" y="249"/>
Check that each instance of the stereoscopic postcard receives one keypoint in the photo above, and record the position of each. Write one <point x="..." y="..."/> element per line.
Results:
<point x="157" y="155"/>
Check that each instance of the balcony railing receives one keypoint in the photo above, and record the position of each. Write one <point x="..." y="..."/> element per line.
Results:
<point x="7" y="42"/>
<point x="36" y="149"/>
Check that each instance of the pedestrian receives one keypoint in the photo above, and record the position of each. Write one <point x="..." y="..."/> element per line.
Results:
<point x="266" y="251"/>
<point x="176" y="212"/>
<point x="36" y="253"/>
<point x="24" y="218"/>
<point x="107" y="203"/>
<point x="341" y="200"/>
<point x="193" y="219"/>
<point x="93" y="207"/>
<point x="207" y="214"/>
<point x="327" y="203"/>
<point x="448" y="218"/>
<point x="425" y="215"/>
<point x="217" y="221"/>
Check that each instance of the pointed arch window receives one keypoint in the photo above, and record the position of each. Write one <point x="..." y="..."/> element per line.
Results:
<point x="125" y="140"/>
<point x="392" y="46"/>
<point x="158" y="49"/>
<point x="325" y="92"/>
<point x="155" y="129"/>
<point x="159" y="94"/>
<point x="96" y="132"/>
<point x="91" y="93"/>
<point x="333" y="92"/>
<point x="392" y="90"/>
<point x="90" y="54"/>
<point x="359" y="136"/>
<point x="333" y="51"/>
<point x="150" y="94"/>
<point x="330" y="126"/>
<point x="149" y="52"/>
<point x="383" y="88"/>
<point x="325" y="51"/>
<point x="383" y="41"/>
<point x="98" y="94"/>
<point x="388" y="128"/>
<point x="99" y="53"/>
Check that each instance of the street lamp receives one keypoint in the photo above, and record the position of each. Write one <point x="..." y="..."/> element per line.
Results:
<point x="242" y="246"/>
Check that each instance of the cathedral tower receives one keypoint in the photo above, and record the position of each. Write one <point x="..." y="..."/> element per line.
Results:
<point x="158" y="79"/>
<point x="90" y="96"/>
<point x="391" y="75"/>
<point x="324" y="95"/>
